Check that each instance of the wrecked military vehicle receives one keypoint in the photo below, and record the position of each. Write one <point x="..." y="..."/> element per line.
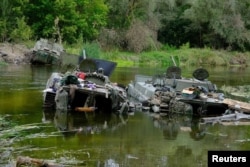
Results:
<point x="171" y="93"/>
<point x="85" y="89"/>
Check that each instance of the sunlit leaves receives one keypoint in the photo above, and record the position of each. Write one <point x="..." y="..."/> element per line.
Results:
<point x="213" y="23"/>
<point x="23" y="31"/>
<point x="94" y="14"/>
<point x="76" y="19"/>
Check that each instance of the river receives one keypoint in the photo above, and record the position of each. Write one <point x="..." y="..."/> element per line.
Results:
<point x="139" y="139"/>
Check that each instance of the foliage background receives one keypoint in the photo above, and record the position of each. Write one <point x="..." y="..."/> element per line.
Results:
<point x="131" y="26"/>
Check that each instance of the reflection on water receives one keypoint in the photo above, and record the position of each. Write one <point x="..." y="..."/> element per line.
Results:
<point x="84" y="124"/>
<point x="171" y="125"/>
<point x="76" y="139"/>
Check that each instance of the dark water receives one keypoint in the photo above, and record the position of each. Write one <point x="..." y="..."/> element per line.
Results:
<point x="108" y="140"/>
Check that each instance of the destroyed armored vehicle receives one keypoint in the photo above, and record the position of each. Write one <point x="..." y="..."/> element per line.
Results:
<point x="46" y="52"/>
<point x="170" y="92"/>
<point x="85" y="89"/>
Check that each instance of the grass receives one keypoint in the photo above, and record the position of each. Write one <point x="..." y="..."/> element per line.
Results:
<point x="3" y="63"/>
<point x="185" y="56"/>
<point x="182" y="57"/>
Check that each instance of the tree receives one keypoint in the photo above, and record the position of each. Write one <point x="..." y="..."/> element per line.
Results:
<point x="175" y="29"/>
<point x="92" y="17"/>
<point x="11" y="11"/>
<point x="67" y="20"/>
<point x="129" y="22"/>
<point x="22" y="32"/>
<point x="5" y="9"/>
<point x="41" y="15"/>
<point x="66" y="15"/>
<point x="222" y="19"/>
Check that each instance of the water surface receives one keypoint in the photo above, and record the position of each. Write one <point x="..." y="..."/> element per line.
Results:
<point x="141" y="139"/>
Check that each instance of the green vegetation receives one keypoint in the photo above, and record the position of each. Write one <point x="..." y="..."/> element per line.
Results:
<point x="135" y="32"/>
<point x="129" y="25"/>
<point x="183" y="56"/>
<point x="2" y="63"/>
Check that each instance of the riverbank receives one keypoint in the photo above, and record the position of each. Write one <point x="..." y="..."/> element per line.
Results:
<point x="185" y="56"/>
<point x="14" y="53"/>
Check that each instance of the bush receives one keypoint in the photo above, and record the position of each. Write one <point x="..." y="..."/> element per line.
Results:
<point x="22" y="32"/>
<point x="109" y="39"/>
<point x="140" y="37"/>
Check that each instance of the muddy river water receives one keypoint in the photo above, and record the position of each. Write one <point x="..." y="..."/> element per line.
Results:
<point x="136" y="140"/>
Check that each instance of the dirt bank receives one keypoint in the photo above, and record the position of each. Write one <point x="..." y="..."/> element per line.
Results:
<point x="14" y="53"/>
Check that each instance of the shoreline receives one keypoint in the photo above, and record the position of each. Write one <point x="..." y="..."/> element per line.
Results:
<point x="21" y="54"/>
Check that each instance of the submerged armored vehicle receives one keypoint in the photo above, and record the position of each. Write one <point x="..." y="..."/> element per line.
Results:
<point x="85" y="90"/>
<point x="160" y="91"/>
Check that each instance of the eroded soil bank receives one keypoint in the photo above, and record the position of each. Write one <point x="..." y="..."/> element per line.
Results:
<point x="14" y="53"/>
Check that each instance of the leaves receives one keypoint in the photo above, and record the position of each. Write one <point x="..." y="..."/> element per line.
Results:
<point x="202" y="23"/>
<point x="222" y="19"/>
<point x="22" y="31"/>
